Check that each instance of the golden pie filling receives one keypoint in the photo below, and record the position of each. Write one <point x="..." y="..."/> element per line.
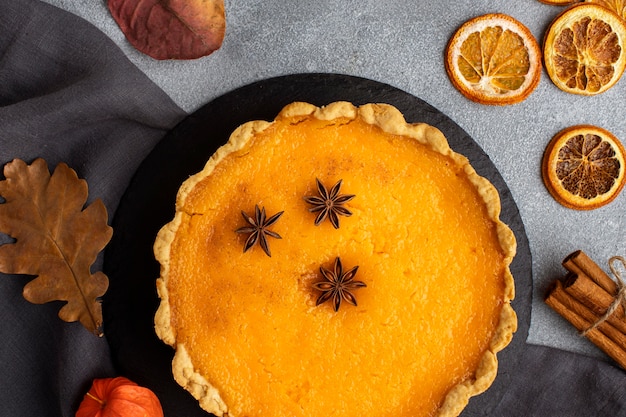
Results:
<point x="423" y="229"/>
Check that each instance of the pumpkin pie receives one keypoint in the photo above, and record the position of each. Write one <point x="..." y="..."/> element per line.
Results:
<point x="336" y="261"/>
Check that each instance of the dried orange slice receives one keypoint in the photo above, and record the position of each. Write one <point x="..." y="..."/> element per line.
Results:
<point x="585" y="49"/>
<point x="494" y="59"/>
<point x="583" y="167"/>
<point x="617" y="6"/>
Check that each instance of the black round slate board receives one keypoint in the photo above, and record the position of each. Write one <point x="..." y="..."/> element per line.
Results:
<point x="148" y="204"/>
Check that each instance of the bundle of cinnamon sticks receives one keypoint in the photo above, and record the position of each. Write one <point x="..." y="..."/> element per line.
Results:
<point x="583" y="297"/>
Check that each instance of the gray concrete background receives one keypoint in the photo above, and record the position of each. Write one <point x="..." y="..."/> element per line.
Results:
<point x="401" y="43"/>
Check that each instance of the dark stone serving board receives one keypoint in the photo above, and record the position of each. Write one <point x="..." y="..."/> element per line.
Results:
<point x="148" y="204"/>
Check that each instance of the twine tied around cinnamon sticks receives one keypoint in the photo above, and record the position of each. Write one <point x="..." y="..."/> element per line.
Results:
<point x="593" y="303"/>
<point x="620" y="296"/>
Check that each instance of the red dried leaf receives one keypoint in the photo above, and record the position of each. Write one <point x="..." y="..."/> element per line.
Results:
<point x="171" y="29"/>
<point x="55" y="238"/>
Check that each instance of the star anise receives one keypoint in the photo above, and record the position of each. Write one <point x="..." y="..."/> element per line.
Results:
<point x="258" y="229"/>
<point x="338" y="285"/>
<point x="329" y="203"/>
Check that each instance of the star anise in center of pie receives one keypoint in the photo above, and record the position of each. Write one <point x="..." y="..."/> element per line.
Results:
<point x="338" y="285"/>
<point x="329" y="203"/>
<point x="258" y="229"/>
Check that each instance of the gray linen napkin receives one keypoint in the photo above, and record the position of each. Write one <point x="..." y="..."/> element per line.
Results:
<point x="67" y="94"/>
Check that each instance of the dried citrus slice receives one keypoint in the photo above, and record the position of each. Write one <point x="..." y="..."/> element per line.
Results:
<point x="584" y="49"/>
<point x="583" y="167"/>
<point x="617" y="6"/>
<point x="494" y="59"/>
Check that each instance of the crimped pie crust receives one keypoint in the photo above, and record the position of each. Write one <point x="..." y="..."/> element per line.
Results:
<point x="389" y="119"/>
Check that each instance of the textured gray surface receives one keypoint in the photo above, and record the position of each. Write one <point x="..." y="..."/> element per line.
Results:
<point x="402" y="42"/>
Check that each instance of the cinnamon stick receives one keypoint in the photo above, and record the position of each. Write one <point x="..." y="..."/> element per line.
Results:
<point x="582" y="319"/>
<point x="572" y="303"/>
<point x="579" y="263"/>
<point x="585" y="290"/>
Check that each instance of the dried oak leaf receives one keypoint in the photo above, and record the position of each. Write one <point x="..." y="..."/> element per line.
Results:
<point x="171" y="29"/>
<point x="56" y="238"/>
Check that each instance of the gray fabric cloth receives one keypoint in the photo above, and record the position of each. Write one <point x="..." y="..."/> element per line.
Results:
<point x="554" y="383"/>
<point x="68" y="94"/>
